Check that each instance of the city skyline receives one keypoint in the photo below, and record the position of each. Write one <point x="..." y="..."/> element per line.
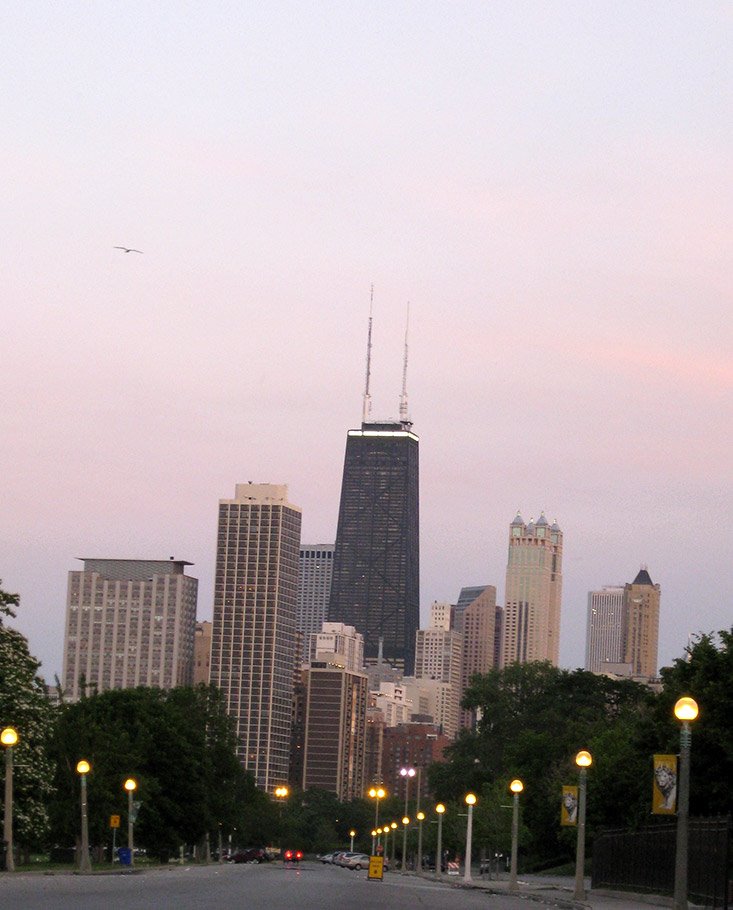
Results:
<point x="547" y="187"/>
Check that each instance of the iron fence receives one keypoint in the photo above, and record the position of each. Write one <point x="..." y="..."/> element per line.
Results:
<point x="644" y="860"/>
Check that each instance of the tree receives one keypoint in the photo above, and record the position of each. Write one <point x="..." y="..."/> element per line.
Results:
<point x="24" y="705"/>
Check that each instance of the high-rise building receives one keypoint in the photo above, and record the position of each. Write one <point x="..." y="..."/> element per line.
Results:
<point x="533" y="592"/>
<point x="412" y="745"/>
<point x="129" y="622"/>
<point x="376" y="571"/>
<point x="641" y="601"/>
<point x="438" y="656"/>
<point x="202" y="653"/>
<point x="476" y="621"/>
<point x="605" y="641"/>
<point x="314" y="586"/>
<point x="334" y="752"/>
<point x="376" y="564"/>
<point x="338" y="644"/>
<point x="253" y="648"/>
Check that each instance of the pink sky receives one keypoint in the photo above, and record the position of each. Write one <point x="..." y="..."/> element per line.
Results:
<point x="549" y="185"/>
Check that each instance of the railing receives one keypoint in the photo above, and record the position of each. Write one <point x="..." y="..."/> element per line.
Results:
<point x="644" y="860"/>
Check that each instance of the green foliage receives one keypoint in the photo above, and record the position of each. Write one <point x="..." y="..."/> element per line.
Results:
<point x="24" y="705"/>
<point x="178" y="745"/>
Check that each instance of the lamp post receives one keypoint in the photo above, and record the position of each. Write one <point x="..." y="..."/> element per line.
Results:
<point x="394" y="826"/>
<point x="685" y="710"/>
<point x="9" y="737"/>
<point x="85" y="864"/>
<point x="130" y="785"/>
<point x="406" y="773"/>
<point x="376" y="794"/>
<point x="352" y="835"/>
<point x="470" y="802"/>
<point x="583" y="760"/>
<point x="440" y="809"/>
<point x="516" y="786"/>
<point x="405" y="826"/>
<point x="420" y="818"/>
<point x="374" y="841"/>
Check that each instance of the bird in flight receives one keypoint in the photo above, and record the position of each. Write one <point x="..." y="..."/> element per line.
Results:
<point x="127" y="249"/>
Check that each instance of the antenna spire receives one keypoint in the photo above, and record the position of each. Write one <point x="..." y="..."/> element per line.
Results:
<point x="367" y="397"/>
<point x="404" y="416"/>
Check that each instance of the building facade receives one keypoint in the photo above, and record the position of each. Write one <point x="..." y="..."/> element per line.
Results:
<point x="605" y="640"/>
<point x="334" y="752"/>
<point x="438" y="657"/>
<point x="339" y="645"/>
<point x="642" y="601"/>
<point x="314" y="586"/>
<point x="412" y="745"/>
<point x="253" y="649"/>
<point x="533" y="592"/>
<point x="202" y="653"/>
<point x="476" y="622"/>
<point x="129" y="622"/>
<point x="376" y="568"/>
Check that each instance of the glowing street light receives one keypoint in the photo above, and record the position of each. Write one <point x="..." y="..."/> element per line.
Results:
<point x="376" y="793"/>
<point x="9" y="737"/>
<point x="352" y="835"/>
<point x="407" y="773"/>
<point x="130" y="785"/>
<point x="85" y="864"/>
<point x="583" y="760"/>
<point x="420" y="819"/>
<point x="686" y="711"/>
<point x="516" y="786"/>
<point x="440" y="809"/>
<point x="393" y="826"/>
<point x="470" y="802"/>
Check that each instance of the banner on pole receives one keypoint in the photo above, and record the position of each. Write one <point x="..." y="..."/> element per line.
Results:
<point x="569" y="806"/>
<point x="664" y="786"/>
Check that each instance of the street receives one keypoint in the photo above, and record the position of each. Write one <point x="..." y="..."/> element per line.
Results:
<point x="311" y="886"/>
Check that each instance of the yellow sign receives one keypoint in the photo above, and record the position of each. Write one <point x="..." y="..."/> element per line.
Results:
<point x="114" y="821"/>
<point x="664" y="788"/>
<point x="569" y="806"/>
<point x="376" y="868"/>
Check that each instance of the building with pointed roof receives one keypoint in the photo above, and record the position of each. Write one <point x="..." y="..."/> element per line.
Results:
<point x="531" y="629"/>
<point x="642" y="600"/>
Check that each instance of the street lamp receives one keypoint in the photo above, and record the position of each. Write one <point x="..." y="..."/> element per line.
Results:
<point x="85" y="864"/>
<point x="406" y="773"/>
<point x="281" y="792"/>
<point x="376" y="793"/>
<point x="516" y="786"/>
<point x="405" y="826"/>
<point x="9" y="737"/>
<point x="685" y="710"/>
<point x="131" y="785"/>
<point x="352" y="835"/>
<point x="420" y="819"/>
<point x="374" y="841"/>
<point x="440" y="809"/>
<point x="470" y="802"/>
<point x="394" y="826"/>
<point x="583" y="760"/>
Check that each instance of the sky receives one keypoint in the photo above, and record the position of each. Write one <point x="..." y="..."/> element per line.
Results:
<point x="549" y="186"/>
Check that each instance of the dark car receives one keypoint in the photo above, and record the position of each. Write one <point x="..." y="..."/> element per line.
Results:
<point x="250" y="855"/>
<point x="292" y="856"/>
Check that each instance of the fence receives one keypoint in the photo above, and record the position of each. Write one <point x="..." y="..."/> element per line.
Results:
<point x="644" y="860"/>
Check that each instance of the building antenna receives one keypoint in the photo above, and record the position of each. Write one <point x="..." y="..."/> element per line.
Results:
<point x="367" y="397"/>
<point x="404" y="416"/>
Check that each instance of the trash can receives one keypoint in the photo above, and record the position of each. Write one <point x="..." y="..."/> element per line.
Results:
<point x="125" y="855"/>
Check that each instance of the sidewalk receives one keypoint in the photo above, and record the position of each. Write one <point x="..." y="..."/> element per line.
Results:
<point x="559" y="892"/>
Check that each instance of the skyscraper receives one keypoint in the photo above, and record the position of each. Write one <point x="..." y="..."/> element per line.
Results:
<point x="438" y="657"/>
<point x="605" y="642"/>
<point x="642" y="598"/>
<point x="314" y="586"/>
<point x="376" y="566"/>
<point x="533" y="592"/>
<point x="129" y="622"/>
<point x="476" y="621"/>
<point x="254" y="624"/>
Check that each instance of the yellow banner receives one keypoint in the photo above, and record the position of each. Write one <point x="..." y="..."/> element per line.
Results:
<point x="569" y="806"/>
<point x="664" y="787"/>
<point x="376" y="868"/>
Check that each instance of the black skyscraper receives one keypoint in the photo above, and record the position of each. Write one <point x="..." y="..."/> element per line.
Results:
<point x="376" y="566"/>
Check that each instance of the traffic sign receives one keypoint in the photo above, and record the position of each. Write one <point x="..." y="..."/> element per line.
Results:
<point x="376" y="868"/>
<point x="114" y="821"/>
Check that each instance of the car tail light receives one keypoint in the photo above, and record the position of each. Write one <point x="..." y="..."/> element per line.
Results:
<point x="288" y="854"/>
<point x="299" y="855"/>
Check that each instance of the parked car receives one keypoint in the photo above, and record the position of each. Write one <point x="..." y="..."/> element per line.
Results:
<point x="250" y="855"/>
<point x="326" y="857"/>
<point x="292" y="856"/>
<point x="356" y="861"/>
<point x="339" y="859"/>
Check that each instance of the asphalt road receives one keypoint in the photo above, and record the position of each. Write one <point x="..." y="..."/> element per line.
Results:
<point x="311" y="886"/>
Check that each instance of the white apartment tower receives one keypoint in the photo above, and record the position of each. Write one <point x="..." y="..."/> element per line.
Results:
<point x="129" y="622"/>
<point x="338" y="645"/>
<point x="438" y="656"/>
<point x="314" y="586"/>
<point x="254" y="625"/>
<point x="533" y="592"/>
<point x="606" y="628"/>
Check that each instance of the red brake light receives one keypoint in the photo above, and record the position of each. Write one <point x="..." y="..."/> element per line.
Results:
<point x="288" y="854"/>
<point x="299" y="855"/>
